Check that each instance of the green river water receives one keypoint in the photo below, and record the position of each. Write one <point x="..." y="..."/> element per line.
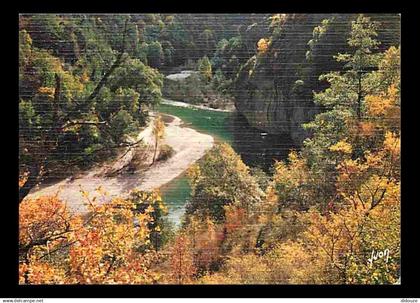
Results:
<point x="177" y="192"/>
<point x="255" y="147"/>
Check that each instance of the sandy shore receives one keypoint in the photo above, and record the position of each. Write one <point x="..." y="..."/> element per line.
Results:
<point x="188" y="144"/>
<point x="183" y="104"/>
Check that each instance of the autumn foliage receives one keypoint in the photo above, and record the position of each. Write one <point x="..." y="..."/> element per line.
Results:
<point x="262" y="45"/>
<point x="317" y="219"/>
<point x="100" y="248"/>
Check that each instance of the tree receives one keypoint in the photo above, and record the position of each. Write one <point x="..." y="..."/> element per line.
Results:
<point x="350" y="168"/>
<point x="204" y="66"/>
<point x="181" y="261"/>
<point x="158" y="133"/>
<point x="219" y="179"/>
<point x="208" y="37"/>
<point x="155" y="54"/>
<point x="344" y="105"/>
<point x="65" y="111"/>
<point x="362" y="60"/>
<point x="103" y="248"/>
<point x="159" y="228"/>
<point x="205" y="238"/>
<point x="121" y="124"/>
<point x="293" y="184"/>
<point x="368" y="222"/>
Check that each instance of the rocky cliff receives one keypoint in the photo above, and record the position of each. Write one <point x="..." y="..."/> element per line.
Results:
<point x="274" y="89"/>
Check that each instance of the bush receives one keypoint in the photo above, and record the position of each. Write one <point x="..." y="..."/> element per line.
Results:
<point x="166" y="151"/>
<point x="218" y="179"/>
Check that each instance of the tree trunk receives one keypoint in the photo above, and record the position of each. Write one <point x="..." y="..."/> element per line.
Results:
<point x="154" y="154"/>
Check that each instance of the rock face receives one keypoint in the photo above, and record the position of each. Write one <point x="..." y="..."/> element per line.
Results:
<point x="274" y="90"/>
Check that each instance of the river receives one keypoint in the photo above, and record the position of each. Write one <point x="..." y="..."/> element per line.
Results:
<point x="256" y="148"/>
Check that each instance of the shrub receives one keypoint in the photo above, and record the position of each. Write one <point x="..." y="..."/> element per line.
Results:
<point x="166" y="151"/>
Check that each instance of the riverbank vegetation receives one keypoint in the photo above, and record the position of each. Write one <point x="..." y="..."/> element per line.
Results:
<point x="316" y="218"/>
<point x="88" y="81"/>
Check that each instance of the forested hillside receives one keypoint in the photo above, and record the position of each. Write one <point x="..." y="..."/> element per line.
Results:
<point x="87" y="80"/>
<point x="278" y="81"/>
<point x="98" y="91"/>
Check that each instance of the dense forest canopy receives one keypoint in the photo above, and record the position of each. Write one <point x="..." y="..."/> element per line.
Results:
<point x="89" y="82"/>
